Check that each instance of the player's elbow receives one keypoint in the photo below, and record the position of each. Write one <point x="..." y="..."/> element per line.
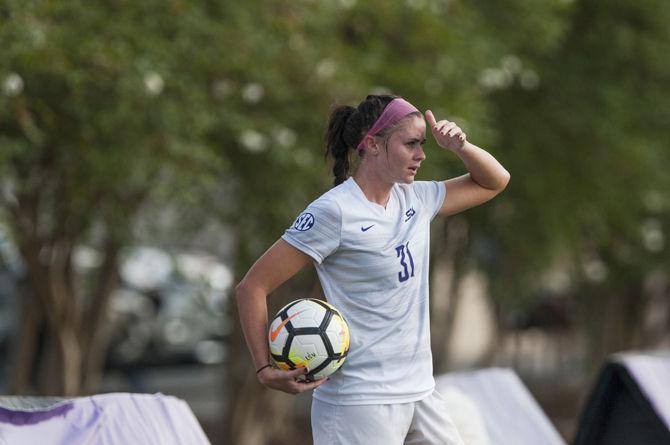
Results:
<point x="246" y="289"/>
<point x="499" y="181"/>
<point x="242" y="289"/>
<point x="495" y="183"/>
<point x="503" y="180"/>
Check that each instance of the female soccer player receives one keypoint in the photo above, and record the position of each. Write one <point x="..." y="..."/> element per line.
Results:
<point x="369" y="239"/>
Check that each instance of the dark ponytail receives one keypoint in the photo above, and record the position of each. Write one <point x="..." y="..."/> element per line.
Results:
<point x="346" y="127"/>
<point x="336" y="141"/>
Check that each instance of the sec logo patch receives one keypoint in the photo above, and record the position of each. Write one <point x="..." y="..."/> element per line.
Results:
<point x="304" y="222"/>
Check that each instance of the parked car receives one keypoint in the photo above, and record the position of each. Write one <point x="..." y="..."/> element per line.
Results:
<point x="170" y="310"/>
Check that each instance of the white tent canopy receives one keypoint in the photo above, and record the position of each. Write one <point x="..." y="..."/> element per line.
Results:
<point x="107" y="419"/>
<point x="493" y="407"/>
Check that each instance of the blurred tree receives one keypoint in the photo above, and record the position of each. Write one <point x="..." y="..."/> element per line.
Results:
<point x="588" y="148"/>
<point x="97" y="115"/>
<point x="218" y="110"/>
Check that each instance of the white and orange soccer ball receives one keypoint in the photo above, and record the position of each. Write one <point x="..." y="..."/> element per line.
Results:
<point x="310" y="334"/>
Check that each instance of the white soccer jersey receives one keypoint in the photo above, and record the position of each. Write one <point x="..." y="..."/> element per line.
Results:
<point x="373" y="266"/>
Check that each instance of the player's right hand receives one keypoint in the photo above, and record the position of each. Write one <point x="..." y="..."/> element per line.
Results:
<point x="447" y="134"/>
<point x="286" y="381"/>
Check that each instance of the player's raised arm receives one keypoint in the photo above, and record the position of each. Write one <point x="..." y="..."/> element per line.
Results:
<point x="486" y="177"/>
<point x="279" y="263"/>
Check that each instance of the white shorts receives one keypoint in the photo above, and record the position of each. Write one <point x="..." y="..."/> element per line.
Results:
<point x="424" y="422"/>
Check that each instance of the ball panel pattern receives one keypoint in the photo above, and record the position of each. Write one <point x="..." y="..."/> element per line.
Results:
<point x="309" y="333"/>
<point x="277" y="336"/>
<point x="306" y="315"/>
<point x="338" y="335"/>
<point x="308" y="350"/>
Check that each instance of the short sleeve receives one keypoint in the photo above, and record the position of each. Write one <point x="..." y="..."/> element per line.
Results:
<point x="317" y="230"/>
<point x="431" y="194"/>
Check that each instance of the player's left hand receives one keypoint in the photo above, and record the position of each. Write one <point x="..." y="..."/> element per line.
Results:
<point x="447" y="134"/>
<point x="287" y="381"/>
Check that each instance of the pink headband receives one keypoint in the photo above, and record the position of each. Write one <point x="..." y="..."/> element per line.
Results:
<point x="394" y="111"/>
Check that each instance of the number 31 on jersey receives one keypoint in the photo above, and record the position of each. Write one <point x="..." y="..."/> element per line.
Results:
<point x="404" y="254"/>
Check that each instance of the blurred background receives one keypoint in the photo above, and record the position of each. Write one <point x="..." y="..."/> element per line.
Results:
<point x="151" y="151"/>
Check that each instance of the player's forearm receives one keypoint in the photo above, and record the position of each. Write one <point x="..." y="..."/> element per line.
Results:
<point x="484" y="169"/>
<point x="253" y="312"/>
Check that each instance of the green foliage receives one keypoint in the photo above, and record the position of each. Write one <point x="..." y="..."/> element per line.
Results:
<point x="590" y="153"/>
<point x="104" y="110"/>
<point x="218" y="110"/>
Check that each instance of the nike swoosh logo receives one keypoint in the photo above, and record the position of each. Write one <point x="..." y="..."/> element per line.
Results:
<point x="275" y="332"/>
<point x="365" y="229"/>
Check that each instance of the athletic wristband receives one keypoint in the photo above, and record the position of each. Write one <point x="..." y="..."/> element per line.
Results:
<point x="263" y="367"/>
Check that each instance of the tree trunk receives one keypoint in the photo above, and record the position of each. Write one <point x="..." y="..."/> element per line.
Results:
<point x="95" y="329"/>
<point x="25" y="346"/>
<point x="612" y="323"/>
<point x="71" y="358"/>
<point x="64" y="324"/>
<point x="76" y="330"/>
<point x="446" y="275"/>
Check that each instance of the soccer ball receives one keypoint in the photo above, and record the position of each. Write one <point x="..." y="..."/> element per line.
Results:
<point x="310" y="334"/>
